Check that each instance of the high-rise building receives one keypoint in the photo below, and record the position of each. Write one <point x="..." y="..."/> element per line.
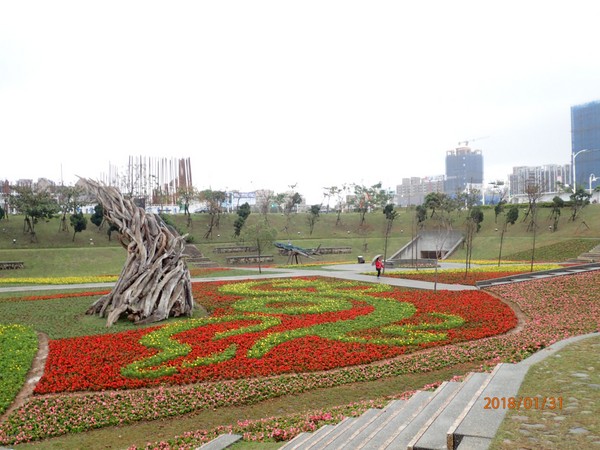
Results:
<point x="545" y="179"/>
<point x="413" y="190"/>
<point x="585" y="143"/>
<point x="464" y="168"/>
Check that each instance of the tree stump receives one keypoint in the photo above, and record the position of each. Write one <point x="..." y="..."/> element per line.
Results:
<point x="155" y="282"/>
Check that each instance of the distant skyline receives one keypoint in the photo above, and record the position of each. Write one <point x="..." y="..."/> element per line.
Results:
<point x="268" y="94"/>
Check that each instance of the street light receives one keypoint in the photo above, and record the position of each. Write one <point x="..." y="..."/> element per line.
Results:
<point x="575" y="156"/>
<point x="574" y="176"/>
<point x="592" y="178"/>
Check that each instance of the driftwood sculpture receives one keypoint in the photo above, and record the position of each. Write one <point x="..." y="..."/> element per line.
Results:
<point x="155" y="281"/>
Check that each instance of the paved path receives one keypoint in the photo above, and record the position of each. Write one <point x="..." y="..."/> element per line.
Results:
<point x="343" y="271"/>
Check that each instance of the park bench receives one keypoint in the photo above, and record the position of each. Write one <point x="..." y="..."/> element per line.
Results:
<point x="249" y="259"/>
<point x="236" y="249"/>
<point x="334" y="250"/>
<point x="9" y="265"/>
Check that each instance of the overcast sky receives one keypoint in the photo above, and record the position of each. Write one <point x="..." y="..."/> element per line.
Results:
<point x="266" y="94"/>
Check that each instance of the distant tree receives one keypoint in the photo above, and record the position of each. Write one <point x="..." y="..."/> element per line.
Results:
<point x="534" y="192"/>
<point x="261" y="234"/>
<point x="476" y="214"/>
<point x="557" y="204"/>
<point x="390" y="215"/>
<point x="434" y="202"/>
<point x="111" y="229"/>
<point x="313" y="217"/>
<point x="499" y="209"/>
<point x="97" y="218"/>
<point x="186" y="195"/>
<point x="338" y="192"/>
<point x="243" y="212"/>
<point x="78" y="222"/>
<point x="473" y="225"/>
<point x="68" y="202"/>
<point x="264" y="199"/>
<point x="467" y="199"/>
<point x="513" y="214"/>
<point x="579" y="199"/>
<point x="289" y="202"/>
<point x="510" y="218"/>
<point x="499" y="189"/>
<point x="214" y="201"/>
<point x="421" y="214"/>
<point x="279" y="201"/>
<point x="34" y="206"/>
<point x="369" y="198"/>
<point x="328" y="193"/>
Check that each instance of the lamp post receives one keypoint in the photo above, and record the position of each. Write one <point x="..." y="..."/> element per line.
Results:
<point x="592" y="178"/>
<point x="575" y="156"/>
<point x="574" y="173"/>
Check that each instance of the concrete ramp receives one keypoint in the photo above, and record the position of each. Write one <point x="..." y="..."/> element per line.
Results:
<point x="429" y="245"/>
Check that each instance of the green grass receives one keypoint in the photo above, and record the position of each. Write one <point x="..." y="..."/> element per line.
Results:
<point x="18" y="347"/>
<point x="58" y="318"/>
<point x="56" y="255"/>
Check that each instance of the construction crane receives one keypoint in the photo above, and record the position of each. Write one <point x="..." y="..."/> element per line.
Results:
<point x="472" y="140"/>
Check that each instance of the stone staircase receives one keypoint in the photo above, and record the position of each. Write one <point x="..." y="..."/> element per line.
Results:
<point x="195" y="258"/>
<point x="451" y="417"/>
<point x="592" y="256"/>
<point x="454" y="416"/>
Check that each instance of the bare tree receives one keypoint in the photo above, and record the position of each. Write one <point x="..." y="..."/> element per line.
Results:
<point x="187" y="195"/>
<point x="214" y="200"/>
<point x="510" y="218"/>
<point x="534" y="193"/>
<point x="155" y="281"/>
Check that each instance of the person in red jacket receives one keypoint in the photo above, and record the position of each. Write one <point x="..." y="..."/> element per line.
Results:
<point x="378" y="266"/>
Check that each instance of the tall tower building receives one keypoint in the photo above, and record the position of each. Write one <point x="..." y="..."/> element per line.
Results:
<point x="464" y="167"/>
<point x="585" y="143"/>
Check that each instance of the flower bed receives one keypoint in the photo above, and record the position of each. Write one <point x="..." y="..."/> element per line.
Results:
<point x="58" y="280"/>
<point x="555" y="308"/>
<point x="265" y="328"/>
<point x="207" y="271"/>
<point x="18" y="346"/>
<point x="458" y="276"/>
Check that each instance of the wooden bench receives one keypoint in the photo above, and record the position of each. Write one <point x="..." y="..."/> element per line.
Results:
<point x="237" y="249"/>
<point x="335" y="250"/>
<point x="249" y="259"/>
<point x="9" y="265"/>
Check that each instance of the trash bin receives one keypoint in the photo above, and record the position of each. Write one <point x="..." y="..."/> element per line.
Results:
<point x="361" y="260"/>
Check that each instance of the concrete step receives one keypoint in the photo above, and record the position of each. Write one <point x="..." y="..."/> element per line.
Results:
<point x="348" y="435"/>
<point x="221" y="442"/>
<point x="402" y="435"/>
<point x="305" y="440"/>
<point x="373" y="423"/>
<point x="476" y="423"/>
<point x="327" y="439"/>
<point x="433" y="434"/>
<point x="395" y="416"/>
<point x="452" y="417"/>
